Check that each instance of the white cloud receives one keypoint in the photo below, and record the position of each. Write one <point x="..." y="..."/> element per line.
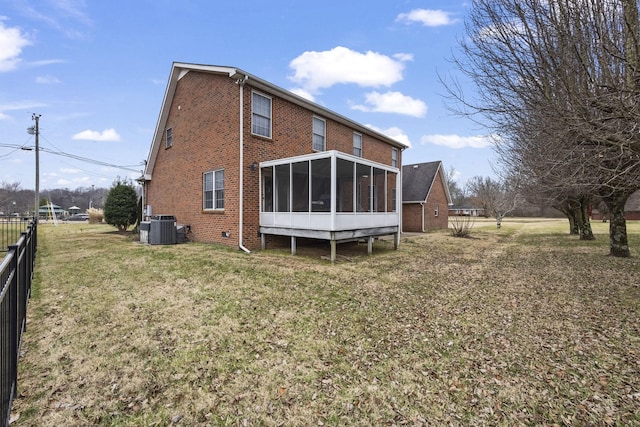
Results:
<point x="69" y="170"/>
<point x="393" y="132"/>
<point x="316" y="70"/>
<point x="73" y="181"/>
<point x="403" y="57"/>
<point x="392" y="102"/>
<point x="19" y="105"/>
<point x="48" y="79"/>
<point x="427" y="17"/>
<point x="44" y="62"/>
<point x="303" y="93"/>
<point x="500" y="31"/>
<point x="62" y="15"/>
<point x="94" y="135"/>
<point x="12" y="40"/>
<point x="457" y="175"/>
<point x="457" y="141"/>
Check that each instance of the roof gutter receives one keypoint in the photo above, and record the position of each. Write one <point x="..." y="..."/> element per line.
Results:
<point x="240" y="80"/>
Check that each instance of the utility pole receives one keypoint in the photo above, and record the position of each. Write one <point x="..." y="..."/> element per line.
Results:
<point x="35" y="130"/>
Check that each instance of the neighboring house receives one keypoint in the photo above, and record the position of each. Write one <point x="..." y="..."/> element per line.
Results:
<point x="462" y="211"/>
<point x="425" y="197"/>
<point x="631" y="209"/>
<point x="245" y="162"/>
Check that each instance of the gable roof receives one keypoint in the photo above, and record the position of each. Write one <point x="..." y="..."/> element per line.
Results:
<point x="180" y="69"/>
<point x="418" y="179"/>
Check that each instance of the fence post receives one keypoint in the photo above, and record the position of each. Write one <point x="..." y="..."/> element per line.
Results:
<point x="13" y="315"/>
<point x="23" y="285"/>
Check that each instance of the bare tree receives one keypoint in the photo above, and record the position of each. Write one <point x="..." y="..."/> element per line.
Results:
<point x="8" y="192"/>
<point x="559" y="82"/>
<point x="497" y="198"/>
<point x="457" y="193"/>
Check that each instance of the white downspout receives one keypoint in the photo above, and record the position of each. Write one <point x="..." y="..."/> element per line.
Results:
<point x="422" y="205"/>
<point x="240" y="82"/>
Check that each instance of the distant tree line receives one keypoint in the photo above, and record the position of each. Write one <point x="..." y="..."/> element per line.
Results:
<point x="15" y="199"/>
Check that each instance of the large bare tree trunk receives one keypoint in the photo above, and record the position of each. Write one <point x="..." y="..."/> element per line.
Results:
<point x="573" y="224"/>
<point x="578" y="214"/>
<point x="571" y="216"/>
<point x="618" y="242"/>
<point x="574" y="207"/>
<point x="586" y="233"/>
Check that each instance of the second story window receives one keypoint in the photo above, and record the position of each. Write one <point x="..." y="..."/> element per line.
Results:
<point x="261" y="115"/>
<point x="357" y="144"/>
<point x="169" y="137"/>
<point x="319" y="134"/>
<point x="394" y="157"/>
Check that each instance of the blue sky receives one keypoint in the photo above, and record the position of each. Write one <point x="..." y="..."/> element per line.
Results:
<point x="96" y="72"/>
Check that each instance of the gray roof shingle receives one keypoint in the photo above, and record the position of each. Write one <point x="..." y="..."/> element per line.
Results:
<point x="417" y="180"/>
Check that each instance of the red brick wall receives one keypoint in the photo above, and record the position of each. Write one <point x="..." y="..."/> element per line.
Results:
<point x="206" y="137"/>
<point x="437" y="197"/>
<point x="412" y="217"/>
<point x="628" y="215"/>
<point x="412" y="212"/>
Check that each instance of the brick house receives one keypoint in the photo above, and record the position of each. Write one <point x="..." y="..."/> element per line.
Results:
<point x="631" y="209"/>
<point x="425" y="197"/>
<point x="230" y="148"/>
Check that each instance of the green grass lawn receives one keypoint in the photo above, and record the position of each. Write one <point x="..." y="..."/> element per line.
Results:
<point x="525" y="325"/>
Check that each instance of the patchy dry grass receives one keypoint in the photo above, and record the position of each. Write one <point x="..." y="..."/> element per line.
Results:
<point x="522" y="325"/>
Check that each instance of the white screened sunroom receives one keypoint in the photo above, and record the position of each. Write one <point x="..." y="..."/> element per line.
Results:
<point x="329" y="195"/>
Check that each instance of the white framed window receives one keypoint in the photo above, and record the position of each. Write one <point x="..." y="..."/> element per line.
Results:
<point x="394" y="157"/>
<point x="357" y="144"/>
<point x="213" y="190"/>
<point x="319" y="134"/>
<point x="436" y="211"/>
<point x="260" y="115"/>
<point x="169" y="137"/>
<point x="394" y="200"/>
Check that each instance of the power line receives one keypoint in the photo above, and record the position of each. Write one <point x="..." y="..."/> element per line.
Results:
<point x="73" y="156"/>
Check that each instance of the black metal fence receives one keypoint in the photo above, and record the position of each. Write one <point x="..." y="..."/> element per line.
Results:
<point x="11" y="228"/>
<point x="16" y="275"/>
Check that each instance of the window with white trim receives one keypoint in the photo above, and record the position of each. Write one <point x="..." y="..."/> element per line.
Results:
<point x="260" y="115"/>
<point x="436" y="211"/>
<point x="357" y="144"/>
<point x="394" y="157"/>
<point x="169" y="137"/>
<point x="319" y="134"/>
<point x="394" y="199"/>
<point x="213" y="191"/>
